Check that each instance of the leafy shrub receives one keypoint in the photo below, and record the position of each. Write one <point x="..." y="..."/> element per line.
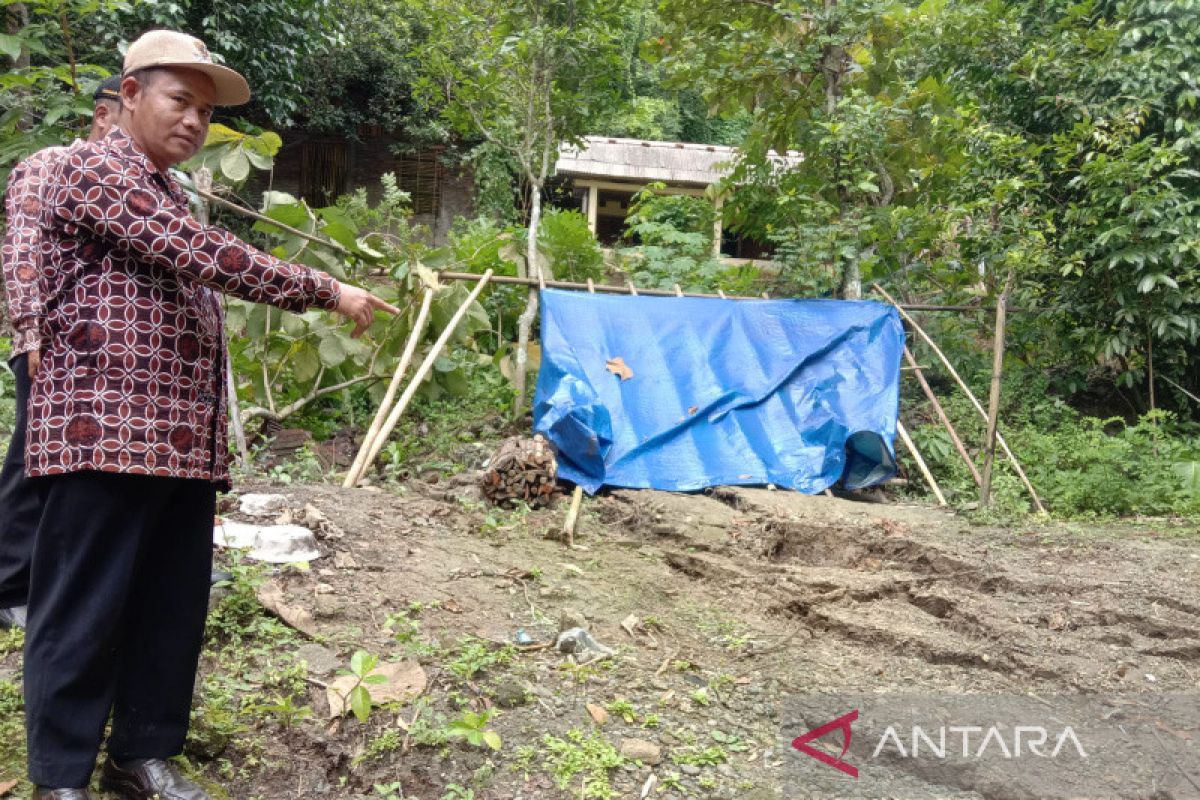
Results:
<point x="674" y="236"/>
<point x="1081" y="466"/>
<point x="573" y="252"/>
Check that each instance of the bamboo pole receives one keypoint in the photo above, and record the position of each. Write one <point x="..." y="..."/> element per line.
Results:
<point x="221" y="201"/>
<point x="970" y="395"/>
<point x="414" y="337"/>
<point x="573" y="516"/>
<point x="434" y="352"/>
<point x="941" y="413"/>
<point x="592" y="286"/>
<point x="1180" y="388"/>
<point x="912" y="448"/>
<point x="202" y="179"/>
<point x="989" y="439"/>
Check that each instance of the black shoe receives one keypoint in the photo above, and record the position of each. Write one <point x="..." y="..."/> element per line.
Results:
<point x="220" y="576"/>
<point x="42" y="793"/>
<point x="148" y="779"/>
<point x="15" y="617"/>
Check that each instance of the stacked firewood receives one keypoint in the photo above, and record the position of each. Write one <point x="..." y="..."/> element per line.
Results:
<point x="522" y="469"/>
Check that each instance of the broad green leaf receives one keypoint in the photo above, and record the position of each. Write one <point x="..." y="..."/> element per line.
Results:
<point x="273" y="199"/>
<point x="306" y="363"/>
<point x="293" y="324"/>
<point x="360" y="703"/>
<point x="258" y="160"/>
<point x="220" y="134"/>
<point x="10" y="46"/>
<point x="1189" y="475"/>
<point x="492" y="739"/>
<point x="362" y="662"/>
<point x="331" y="352"/>
<point x="235" y="165"/>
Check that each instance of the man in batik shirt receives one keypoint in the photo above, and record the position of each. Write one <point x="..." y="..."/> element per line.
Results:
<point x="21" y="257"/>
<point x="127" y="430"/>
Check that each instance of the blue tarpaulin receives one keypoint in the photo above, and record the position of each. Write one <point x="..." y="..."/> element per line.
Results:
<point x="798" y="393"/>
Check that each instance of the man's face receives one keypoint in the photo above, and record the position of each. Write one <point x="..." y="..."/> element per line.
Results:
<point x="168" y="116"/>
<point x="104" y="116"/>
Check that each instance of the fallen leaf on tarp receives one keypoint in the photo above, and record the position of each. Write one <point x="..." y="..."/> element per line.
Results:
<point x="692" y="411"/>
<point x="402" y="681"/>
<point x="6" y="787"/>
<point x="618" y="367"/>
<point x="270" y="594"/>
<point x="598" y="714"/>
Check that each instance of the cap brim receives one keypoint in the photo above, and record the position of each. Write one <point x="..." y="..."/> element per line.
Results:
<point x="231" y="88"/>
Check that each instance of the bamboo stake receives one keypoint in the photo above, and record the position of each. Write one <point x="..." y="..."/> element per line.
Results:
<point x="423" y="370"/>
<point x="1180" y="388"/>
<point x="360" y="461"/>
<point x="912" y="448"/>
<point x="970" y="395"/>
<point x="941" y="412"/>
<point x="202" y="179"/>
<point x="221" y="201"/>
<point x="989" y="439"/>
<point x="592" y="286"/>
<point x="573" y="516"/>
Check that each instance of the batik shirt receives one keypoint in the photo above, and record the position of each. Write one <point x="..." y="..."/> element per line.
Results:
<point x="21" y="250"/>
<point x="132" y="372"/>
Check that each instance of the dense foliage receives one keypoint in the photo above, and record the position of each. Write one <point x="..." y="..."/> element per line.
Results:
<point x="946" y="146"/>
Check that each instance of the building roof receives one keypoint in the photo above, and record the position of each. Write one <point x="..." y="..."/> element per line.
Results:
<point x="640" y="161"/>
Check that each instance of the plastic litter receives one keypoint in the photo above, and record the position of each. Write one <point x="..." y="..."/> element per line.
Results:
<point x="262" y="505"/>
<point x="581" y="644"/>
<point x="276" y="544"/>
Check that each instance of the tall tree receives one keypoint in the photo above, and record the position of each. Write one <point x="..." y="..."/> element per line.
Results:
<point x="526" y="76"/>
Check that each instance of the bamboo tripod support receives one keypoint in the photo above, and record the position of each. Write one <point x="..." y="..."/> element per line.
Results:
<point x="385" y="407"/>
<point x="925" y="473"/>
<point x="434" y="352"/>
<point x="941" y="413"/>
<point x="970" y="395"/>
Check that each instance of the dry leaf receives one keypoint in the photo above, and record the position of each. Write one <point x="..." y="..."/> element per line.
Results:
<point x="692" y="411"/>
<point x="6" y="787"/>
<point x="452" y="606"/>
<point x="599" y="715"/>
<point x="270" y="594"/>
<point x="630" y="623"/>
<point x="617" y="366"/>
<point x="403" y="680"/>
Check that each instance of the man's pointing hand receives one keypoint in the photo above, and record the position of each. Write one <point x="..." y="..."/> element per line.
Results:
<point x="360" y="306"/>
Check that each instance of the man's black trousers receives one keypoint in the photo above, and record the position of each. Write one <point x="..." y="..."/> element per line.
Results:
<point x="117" y="599"/>
<point x="19" y="504"/>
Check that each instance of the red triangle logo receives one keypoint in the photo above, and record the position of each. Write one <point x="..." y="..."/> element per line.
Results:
<point x="842" y="723"/>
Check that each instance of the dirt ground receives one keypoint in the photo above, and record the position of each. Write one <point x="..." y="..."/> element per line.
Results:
<point x="741" y="600"/>
<point x="751" y="596"/>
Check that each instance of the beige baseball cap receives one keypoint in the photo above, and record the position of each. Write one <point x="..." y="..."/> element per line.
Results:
<point x="175" y="49"/>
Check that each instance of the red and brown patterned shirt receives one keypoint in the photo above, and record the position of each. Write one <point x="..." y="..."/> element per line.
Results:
<point x="132" y="370"/>
<point x="21" y="251"/>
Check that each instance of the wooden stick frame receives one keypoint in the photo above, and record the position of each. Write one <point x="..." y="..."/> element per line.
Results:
<point x="916" y="454"/>
<point x="385" y="407"/>
<point x="966" y="390"/>
<point x="426" y="365"/>
<point x="941" y="413"/>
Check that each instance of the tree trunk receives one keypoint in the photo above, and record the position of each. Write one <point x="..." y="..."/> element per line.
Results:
<point x="525" y="322"/>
